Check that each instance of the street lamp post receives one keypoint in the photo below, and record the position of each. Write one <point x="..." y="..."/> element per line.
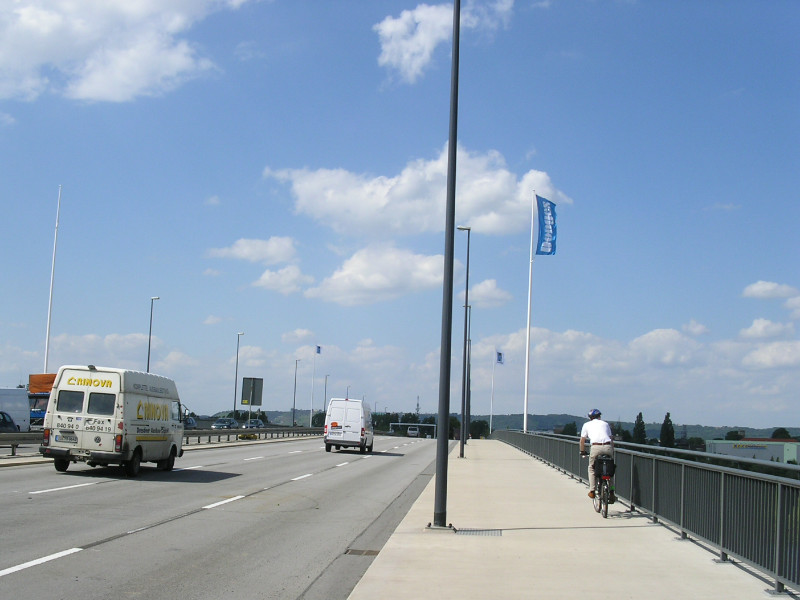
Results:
<point x="150" y="335"/>
<point x="294" y="398"/>
<point x="464" y="375"/>
<point x="236" y="375"/>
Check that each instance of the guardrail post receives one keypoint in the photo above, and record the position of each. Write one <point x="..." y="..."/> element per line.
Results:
<point x="778" y="539"/>
<point x="723" y="556"/>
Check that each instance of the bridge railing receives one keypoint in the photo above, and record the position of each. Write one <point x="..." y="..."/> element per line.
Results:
<point x="751" y="516"/>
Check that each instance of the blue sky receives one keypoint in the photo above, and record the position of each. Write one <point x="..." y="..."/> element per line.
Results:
<point x="279" y="169"/>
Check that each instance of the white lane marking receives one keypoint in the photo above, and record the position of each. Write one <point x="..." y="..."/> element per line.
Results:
<point x="295" y="452"/>
<point x="384" y="451"/>
<point x="342" y="464"/>
<point x="367" y="456"/>
<point x="38" y="561"/>
<point x="253" y="458"/>
<point x="189" y="468"/>
<point x="66" y="487"/>
<point x="302" y="477"/>
<point x="221" y="502"/>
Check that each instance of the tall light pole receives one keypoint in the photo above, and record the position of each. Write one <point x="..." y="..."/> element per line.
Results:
<point x="236" y="376"/>
<point x="440" y="496"/>
<point x="150" y="335"/>
<point x="294" y="398"/>
<point x="325" y="397"/>
<point x="464" y="375"/>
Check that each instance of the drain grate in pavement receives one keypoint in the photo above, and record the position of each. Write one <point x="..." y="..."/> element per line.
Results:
<point x="489" y="532"/>
<point x="354" y="552"/>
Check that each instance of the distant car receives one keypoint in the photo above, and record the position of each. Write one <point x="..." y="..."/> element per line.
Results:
<point x="413" y="431"/>
<point x="225" y="423"/>
<point x="7" y="424"/>
<point x="189" y="423"/>
<point x="253" y="424"/>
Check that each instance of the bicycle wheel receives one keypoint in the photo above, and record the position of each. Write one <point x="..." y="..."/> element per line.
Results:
<point x="596" y="499"/>
<point x="604" y="498"/>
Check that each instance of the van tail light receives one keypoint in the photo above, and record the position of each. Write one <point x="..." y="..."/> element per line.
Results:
<point x="118" y="443"/>
<point x="326" y="429"/>
<point x="363" y="432"/>
<point x="46" y="438"/>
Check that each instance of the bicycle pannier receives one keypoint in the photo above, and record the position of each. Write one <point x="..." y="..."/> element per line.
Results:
<point x="604" y="466"/>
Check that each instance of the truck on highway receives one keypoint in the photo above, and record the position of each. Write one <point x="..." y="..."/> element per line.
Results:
<point x="348" y="423"/>
<point x="14" y="401"/>
<point x="108" y="416"/>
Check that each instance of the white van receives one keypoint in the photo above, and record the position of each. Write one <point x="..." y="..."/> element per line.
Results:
<point x="348" y="422"/>
<point x="105" y="416"/>
<point x="14" y="401"/>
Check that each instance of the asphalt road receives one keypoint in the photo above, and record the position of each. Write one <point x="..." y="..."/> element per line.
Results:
<point x="275" y="520"/>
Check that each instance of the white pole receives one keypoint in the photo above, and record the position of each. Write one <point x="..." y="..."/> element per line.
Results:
<point x="52" y="277"/>
<point x="528" y="328"/>
<point x="313" y="375"/>
<point x="491" y="401"/>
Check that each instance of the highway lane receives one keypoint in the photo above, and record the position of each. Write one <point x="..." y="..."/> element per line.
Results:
<point x="265" y="520"/>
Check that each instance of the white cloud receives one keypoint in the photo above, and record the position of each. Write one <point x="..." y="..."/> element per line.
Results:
<point x="793" y="304"/>
<point x="211" y="320"/>
<point x="764" y="328"/>
<point x="409" y="41"/>
<point x="273" y="251"/>
<point x="774" y="355"/>
<point x="491" y="199"/>
<point x="296" y="336"/>
<point x="768" y="289"/>
<point x="211" y="272"/>
<point x="114" y="50"/>
<point x="213" y="201"/>
<point x="378" y="273"/>
<point x="6" y="120"/>
<point x="666" y="347"/>
<point x="286" y="281"/>
<point x="487" y="295"/>
<point x="695" y="328"/>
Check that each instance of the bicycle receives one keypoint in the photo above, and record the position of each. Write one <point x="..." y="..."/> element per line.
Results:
<point x="604" y="468"/>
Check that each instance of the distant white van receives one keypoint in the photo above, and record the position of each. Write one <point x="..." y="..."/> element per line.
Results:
<point x="105" y="416"/>
<point x="348" y="423"/>
<point x="14" y="401"/>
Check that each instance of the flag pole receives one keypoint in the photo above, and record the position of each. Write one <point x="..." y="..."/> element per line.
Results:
<point x="528" y="328"/>
<point x="491" y="400"/>
<point x="52" y="277"/>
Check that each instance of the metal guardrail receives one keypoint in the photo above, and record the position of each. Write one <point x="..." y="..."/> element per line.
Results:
<point x="191" y="437"/>
<point x="198" y="435"/>
<point x="749" y="516"/>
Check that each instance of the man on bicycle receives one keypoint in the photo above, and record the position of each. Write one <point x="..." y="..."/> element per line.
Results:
<point x="598" y="433"/>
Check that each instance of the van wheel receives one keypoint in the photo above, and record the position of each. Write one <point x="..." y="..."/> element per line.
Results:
<point x="327" y="447"/>
<point x="168" y="463"/>
<point x="133" y="466"/>
<point x="370" y="447"/>
<point x="362" y="448"/>
<point x="61" y="465"/>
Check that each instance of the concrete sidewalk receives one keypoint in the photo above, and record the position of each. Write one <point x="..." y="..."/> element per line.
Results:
<point x="525" y="530"/>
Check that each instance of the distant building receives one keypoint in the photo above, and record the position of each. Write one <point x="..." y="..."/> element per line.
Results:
<point x="758" y="448"/>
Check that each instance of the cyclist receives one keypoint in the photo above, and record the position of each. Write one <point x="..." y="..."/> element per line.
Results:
<point x="598" y="433"/>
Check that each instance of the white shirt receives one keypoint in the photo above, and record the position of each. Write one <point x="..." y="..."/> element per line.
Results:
<point x="597" y="430"/>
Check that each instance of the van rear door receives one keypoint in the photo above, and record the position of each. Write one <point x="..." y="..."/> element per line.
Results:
<point x="84" y="411"/>
<point x="352" y="422"/>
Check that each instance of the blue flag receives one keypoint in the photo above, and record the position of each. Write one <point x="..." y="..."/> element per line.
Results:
<point x="547" y="226"/>
<point x="499" y="358"/>
<point x="319" y="349"/>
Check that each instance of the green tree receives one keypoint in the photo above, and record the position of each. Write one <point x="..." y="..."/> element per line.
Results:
<point x="478" y="429"/>
<point x="781" y="433"/>
<point x="621" y="433"/>
<point x="639" y="431"/>
<point x="318" y="420"/>
<point x="455" y="425"/>
<point x="734" y="434"/>
<point x="570" y="429"/>
<point x="667" y="433"/>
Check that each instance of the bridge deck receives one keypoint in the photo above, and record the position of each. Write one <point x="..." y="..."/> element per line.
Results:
<point x="526" y="530"/>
